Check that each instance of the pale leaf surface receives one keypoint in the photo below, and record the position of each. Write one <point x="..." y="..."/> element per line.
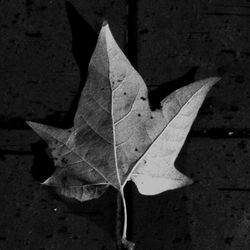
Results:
<point x="116" y="137"/>
<point x="155" y="172"/>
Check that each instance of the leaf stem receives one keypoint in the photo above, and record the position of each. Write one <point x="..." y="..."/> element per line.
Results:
<point x="127" y="244"/>
<point x="125" y="221"/>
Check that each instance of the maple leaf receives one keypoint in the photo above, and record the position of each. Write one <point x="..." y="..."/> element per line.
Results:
<point x="116" y="137"/>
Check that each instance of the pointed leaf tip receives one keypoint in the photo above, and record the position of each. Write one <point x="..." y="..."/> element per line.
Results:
<point x="29" y="123"/>
<point x="106" y="32"/>
<point x="51" y="181"/>
<point x="35" y="126"/>
<point x="45" y="183"/>
<point x="188" y="181"/>
<point x="104" y="23"/>
<point x="213" y="80"/>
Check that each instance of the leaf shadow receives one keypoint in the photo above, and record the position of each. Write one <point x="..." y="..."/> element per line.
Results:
<point x="99" y="211"/>
<point x="83" y="44"/>
<point x="160" y="220"/>
<point x="42" y="167"/>
<point x="162" y="90"/>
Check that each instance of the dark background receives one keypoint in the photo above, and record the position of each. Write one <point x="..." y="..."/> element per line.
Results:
<point x="45" y="47"/>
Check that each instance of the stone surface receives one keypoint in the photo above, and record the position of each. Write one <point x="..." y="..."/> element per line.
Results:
<point x="33" y="217"/>
<point x="36" y="57"/>
<point x="213" y="213"/>
<point x="45" y="47"/>
<point x="175" y="37"/>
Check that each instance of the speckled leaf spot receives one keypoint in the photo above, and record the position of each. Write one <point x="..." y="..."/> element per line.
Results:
<point x="116" y="137"/>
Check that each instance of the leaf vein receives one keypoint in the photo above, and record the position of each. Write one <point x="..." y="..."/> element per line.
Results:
<point x="131" y="108"/>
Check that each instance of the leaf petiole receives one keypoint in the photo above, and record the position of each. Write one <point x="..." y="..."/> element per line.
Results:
<point x="127" y="244"/>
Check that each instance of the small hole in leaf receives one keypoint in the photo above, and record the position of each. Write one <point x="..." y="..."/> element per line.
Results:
<point x="64" y="160"/>
<point x="143" y="98"/>
<point x="151" y="117"/>
<point x="136" y="149"/>
<point x="139" y="115"/>
<point x="124" y="93"/>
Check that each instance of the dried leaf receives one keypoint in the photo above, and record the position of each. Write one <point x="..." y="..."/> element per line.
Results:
<point x="116" y="137"/>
